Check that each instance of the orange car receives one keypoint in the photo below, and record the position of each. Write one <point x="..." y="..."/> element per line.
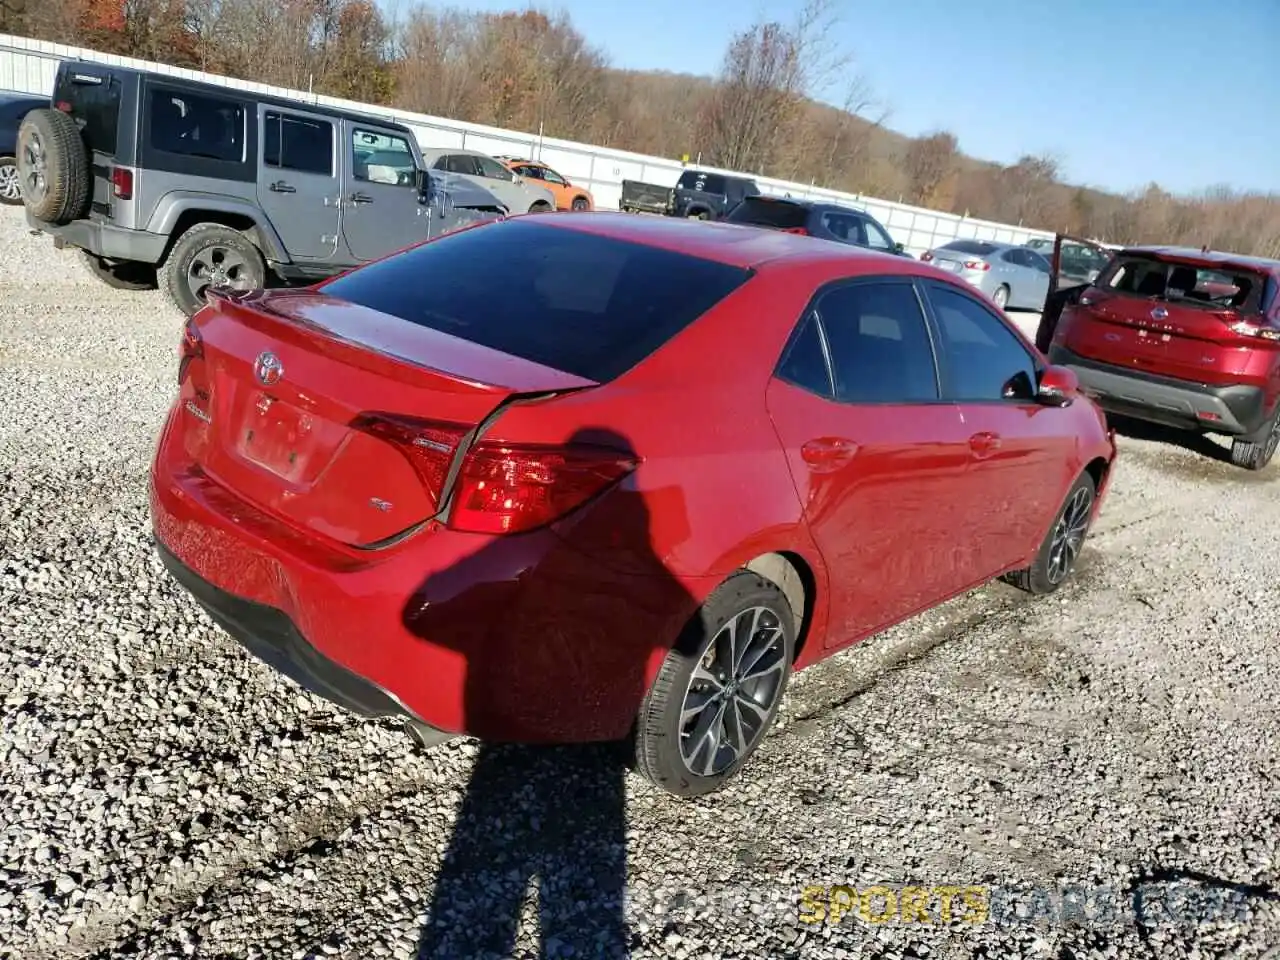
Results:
<point x="568" y="197"/>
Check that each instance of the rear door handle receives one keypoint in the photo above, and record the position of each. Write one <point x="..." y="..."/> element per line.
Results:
<point x="828" y="453"/>
<point x="361" y="198"/>
<point x="984" y="444"/>
<point x="281" y="187"/>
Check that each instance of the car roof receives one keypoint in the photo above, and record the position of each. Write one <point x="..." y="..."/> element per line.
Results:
<point x="454" y="151"/>
<point x="996" y="245"/>
<point x="1209" y="258"/>
<point x="737" y="245"/>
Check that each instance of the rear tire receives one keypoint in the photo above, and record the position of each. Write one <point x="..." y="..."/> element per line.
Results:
<point x="540" y="207"/>
<point x="1061" y="546"/>
<point x="580" y="204"/>
<point x="10" y="189"/>
<point x="1001" y="297"/>
<point x="735" y="680"/>
<point x="210" y="255"/>
<point x="53" y="166"/>
<point x="124" y="276"/>
<point x="1256" y="451"/>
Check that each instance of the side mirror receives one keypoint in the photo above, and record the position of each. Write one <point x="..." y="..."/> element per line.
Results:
<point x="421" y="181"/>
<point x="899" y="249"/>
<point x="1058" y="387"/>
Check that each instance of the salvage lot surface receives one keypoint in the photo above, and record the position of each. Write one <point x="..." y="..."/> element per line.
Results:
<point x="162" y="794"/>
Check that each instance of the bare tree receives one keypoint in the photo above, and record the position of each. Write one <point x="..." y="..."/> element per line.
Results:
<point x="930" y="164"/>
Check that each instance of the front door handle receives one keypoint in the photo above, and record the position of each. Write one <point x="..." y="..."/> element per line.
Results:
<point x="828" y="453"/>
<point x="361" y="198"/>
<point x="984" y="444"/>
<point x="281" y="187"/>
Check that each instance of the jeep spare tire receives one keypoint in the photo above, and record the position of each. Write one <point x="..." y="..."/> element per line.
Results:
<point x="53" y="166"/>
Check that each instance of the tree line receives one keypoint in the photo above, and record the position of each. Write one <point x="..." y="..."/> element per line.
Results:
<point x="528" y="70"/>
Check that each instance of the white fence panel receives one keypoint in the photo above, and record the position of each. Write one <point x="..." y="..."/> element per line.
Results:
<point x="30" y="66"/>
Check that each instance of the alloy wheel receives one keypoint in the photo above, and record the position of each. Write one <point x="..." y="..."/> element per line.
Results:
<point x="220" y="267"/>
<point x="10" y="188"/>
<point x="732" y="692"/>
<point x="1068" y="535"/>
<point x="34" y="176"/>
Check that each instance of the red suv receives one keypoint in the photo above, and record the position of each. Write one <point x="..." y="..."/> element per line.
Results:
<point x="1185" y="338"/>
<point x="595" y="476"/>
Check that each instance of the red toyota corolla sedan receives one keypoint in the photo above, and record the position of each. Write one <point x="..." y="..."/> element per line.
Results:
<point x="599" y="477"/>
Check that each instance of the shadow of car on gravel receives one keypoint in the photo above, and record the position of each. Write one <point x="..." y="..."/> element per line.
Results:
<point x="1196" y="443"/>
<point x="546" y="816"/>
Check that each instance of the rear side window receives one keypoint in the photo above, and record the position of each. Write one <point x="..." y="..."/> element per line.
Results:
<point x="94" y="103"/>
<point x="704" y="182"/>
<point x="195" y="125"/>
<point x="763" y="212"/>
<point x="297" y="143"/>
<point x="880" y="348"/>
<point x="975" y="247"/>
<point x="588" y="305"/>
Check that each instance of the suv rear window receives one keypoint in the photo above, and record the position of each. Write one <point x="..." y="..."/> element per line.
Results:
<point x="1186" y="283"/>
<point x="94" y="103"/>
<point x="765" y="212"/>
<point x="975" y="247"/>
<point x="705" y="182"/>
<point x="588" y="305"/>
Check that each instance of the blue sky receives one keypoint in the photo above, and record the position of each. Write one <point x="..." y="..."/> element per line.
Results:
<point x="1123" y="92"/>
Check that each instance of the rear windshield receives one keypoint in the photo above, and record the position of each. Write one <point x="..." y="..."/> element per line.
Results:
<point x="585" y="304"/>
<point x="706" y="182"/>
<point x="976" y="247"/>
<point x="93" y="101"/>
<point x="763" y="212"/>
<point x="1215" y="287"/>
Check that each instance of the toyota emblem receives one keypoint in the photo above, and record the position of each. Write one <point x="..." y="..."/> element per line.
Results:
<point x="1159" y="313"/>
<point x="268" y="368"/>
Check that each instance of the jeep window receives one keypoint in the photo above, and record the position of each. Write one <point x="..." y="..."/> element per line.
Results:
<point x="297" y="143"/>
<point x="702" y="182"/>
<point x="390" y="160"/>
<point x="193" y="125"/>
<point x="877" y="239"/>
<point x="94" y="106"/>
<point x="492" y="169"/>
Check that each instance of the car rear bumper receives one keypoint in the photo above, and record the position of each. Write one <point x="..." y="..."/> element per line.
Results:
<point x="524" y="638"/>
<point x="1232" y="409"/>
<point x="104" y="240"/>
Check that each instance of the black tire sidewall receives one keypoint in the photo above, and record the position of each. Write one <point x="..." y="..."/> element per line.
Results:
<point x="67" y="170"/>
<point x="173" y="274"/>
<point x="657" y="743"/>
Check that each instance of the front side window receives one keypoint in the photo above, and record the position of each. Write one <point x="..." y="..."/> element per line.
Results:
<point x="291" y="142"/>
<point x="879" y="342"/>
<point x="877" y="239"/>
<point x="492" y="169"/>
<point x="382" y="158"/>
<point x="981" y="357"/>
<point x="552" y="177"/>
<point x="195" y="125"/>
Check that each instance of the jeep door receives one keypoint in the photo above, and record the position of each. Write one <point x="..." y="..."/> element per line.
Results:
<point x="298" y="180"/>
<point x="381" y="209"/>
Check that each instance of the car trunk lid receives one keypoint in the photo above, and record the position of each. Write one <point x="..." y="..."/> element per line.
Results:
<point x="340" y="420"/>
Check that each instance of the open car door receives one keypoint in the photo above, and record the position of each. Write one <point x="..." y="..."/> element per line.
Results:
<point x="1074" y="265"/>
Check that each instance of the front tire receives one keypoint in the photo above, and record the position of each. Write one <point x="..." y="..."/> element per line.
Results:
<point x="718" y="691"/>
<point x="1061" y="546"/>
<point x="206" y="256"/>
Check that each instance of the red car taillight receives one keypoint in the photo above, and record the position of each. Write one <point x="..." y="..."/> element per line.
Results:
<point x="927" y="256"/>
<point x="977" y="265"/>
<point x="122" y="183"/>
<point x="797" y="230"/>
<point x="428" y="445"/>
<point x="504" y="489"/>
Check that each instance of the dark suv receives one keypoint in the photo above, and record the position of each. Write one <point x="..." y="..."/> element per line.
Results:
<point x="827" y="221"/>
<point x="195" y="186"/>
<point x="13" y="107"/>
<point x="1182" y="337"/>
<point x="709" y="196"/>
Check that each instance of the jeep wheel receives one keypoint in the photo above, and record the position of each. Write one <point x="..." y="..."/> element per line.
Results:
<point x="10" y="192"/>
<point x="53" y="166"/>
<point x="121" y="276"/>
<point x="206" y="256"/>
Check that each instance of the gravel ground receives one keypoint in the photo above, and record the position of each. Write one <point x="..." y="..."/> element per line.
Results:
<point x="164" y="795"/>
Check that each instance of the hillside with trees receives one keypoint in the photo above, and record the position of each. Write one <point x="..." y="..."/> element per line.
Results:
<point x="526" y="70"/>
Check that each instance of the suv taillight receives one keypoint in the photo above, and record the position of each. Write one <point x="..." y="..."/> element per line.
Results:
<point x="122" y="183"/>
<point x="508" y="489"/>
